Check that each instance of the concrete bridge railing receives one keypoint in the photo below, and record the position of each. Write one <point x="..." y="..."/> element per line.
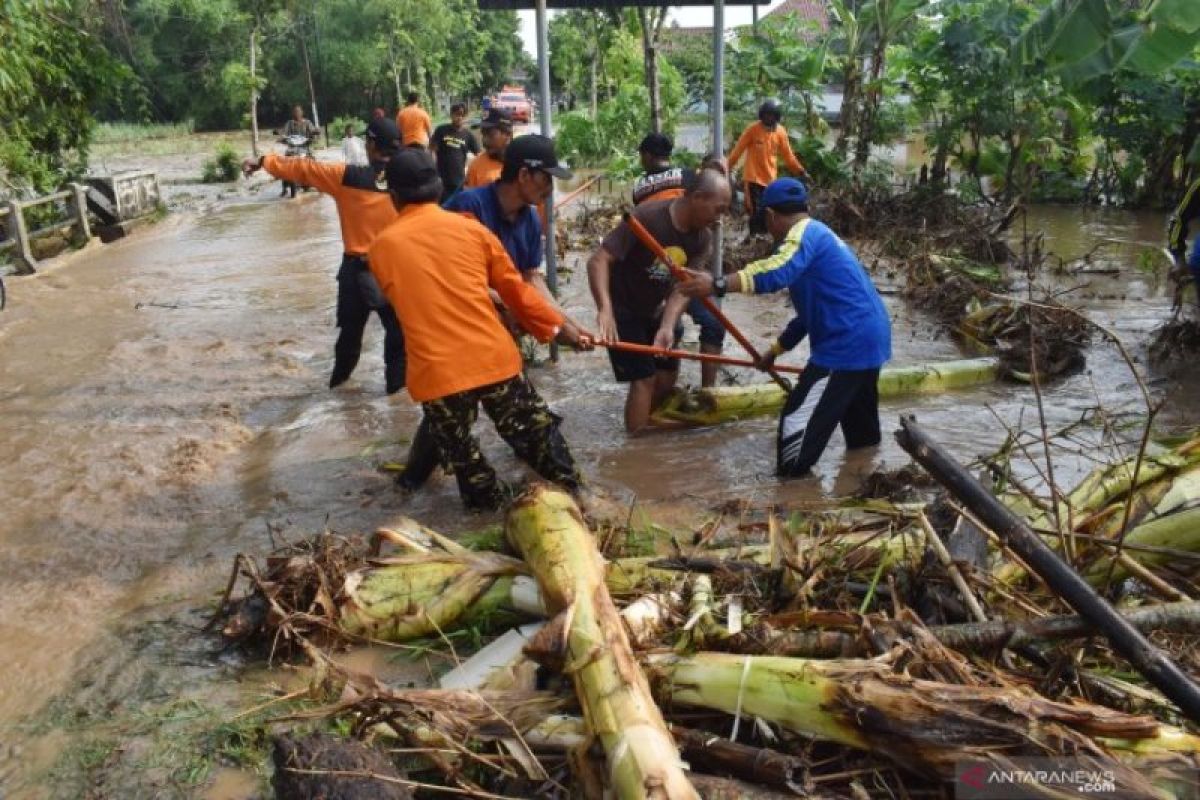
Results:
<point x="19" y="237"/>
<point x="115" y="201"/>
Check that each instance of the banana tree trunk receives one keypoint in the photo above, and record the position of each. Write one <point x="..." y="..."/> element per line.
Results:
<point x="590" y="642"/>
<point x="1162" y="513"/>
<point x="728" y="403"/>
<point x="922" y="725"/>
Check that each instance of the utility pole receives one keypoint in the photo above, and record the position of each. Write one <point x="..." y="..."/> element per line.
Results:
<point x="543" y="58"/>
<point x="718" y="117"/>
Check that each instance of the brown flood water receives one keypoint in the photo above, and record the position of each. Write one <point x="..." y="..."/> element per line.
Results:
<point x="163" y="401"/>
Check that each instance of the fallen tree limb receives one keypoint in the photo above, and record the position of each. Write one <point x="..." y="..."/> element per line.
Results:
<point x="589" y="641"/>
<point x="1147" y="659"/>
<point x="707" y="752"/>
<point x="971" y="637"/>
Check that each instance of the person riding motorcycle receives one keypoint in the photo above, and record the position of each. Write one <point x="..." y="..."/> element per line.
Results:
<point x="298" y="134"/>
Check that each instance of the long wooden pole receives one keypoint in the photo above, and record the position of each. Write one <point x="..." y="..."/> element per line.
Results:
<point x="1064" y="581"/>
<point x="647" y="239"/>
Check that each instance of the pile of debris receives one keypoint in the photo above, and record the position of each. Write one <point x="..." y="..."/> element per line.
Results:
<point x="968" y="298"/>
<point x="843" y="652"/>
<point x="919" y="221"/>
<point x="592" y="220"/>
<point x="1178" y="338"/>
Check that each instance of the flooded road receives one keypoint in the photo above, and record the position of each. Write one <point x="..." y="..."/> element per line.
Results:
<point x="163" y="405"/>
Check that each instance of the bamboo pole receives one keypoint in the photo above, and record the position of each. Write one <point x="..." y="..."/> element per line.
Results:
<point x="1147" y="659"/>
<point x="545" y="526"/>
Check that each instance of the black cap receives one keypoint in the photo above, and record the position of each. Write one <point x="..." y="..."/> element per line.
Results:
<point x="535" y="152"/>
<point x="411" y="172"/>
<point x="497" y="118"/>
<point x="384" y="133"/>
<point x="657" y="144"/>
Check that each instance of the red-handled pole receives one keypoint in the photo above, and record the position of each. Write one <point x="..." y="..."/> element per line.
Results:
<point x="650" y="243"/>
<point x="662" y="352"/>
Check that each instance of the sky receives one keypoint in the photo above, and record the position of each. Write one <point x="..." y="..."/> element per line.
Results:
<point x="687" y="17"/>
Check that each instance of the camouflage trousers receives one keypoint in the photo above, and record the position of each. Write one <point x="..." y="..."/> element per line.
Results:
<point x="522" y="419"/>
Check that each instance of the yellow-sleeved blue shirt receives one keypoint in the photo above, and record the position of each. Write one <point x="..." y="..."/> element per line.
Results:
<point x="836" y="304"/>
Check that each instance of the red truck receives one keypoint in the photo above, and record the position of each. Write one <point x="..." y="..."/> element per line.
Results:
<point x="514" y="100"/>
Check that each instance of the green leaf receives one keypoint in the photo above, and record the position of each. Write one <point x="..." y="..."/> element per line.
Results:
<point x="1066" y="32"/>
<point x="1158" y="48"/>
<point x="1183" y="15"/>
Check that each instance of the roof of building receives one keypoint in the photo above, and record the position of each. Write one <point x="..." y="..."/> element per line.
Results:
<point x="805" y="9"/>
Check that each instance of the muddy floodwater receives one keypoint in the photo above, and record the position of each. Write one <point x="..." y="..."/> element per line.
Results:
<point x="163" y="406"/>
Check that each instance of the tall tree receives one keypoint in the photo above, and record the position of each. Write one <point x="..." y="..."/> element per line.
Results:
<point x="587" y="33"/>
<point x="650" y="22"/>
<point x="54" y="70"/>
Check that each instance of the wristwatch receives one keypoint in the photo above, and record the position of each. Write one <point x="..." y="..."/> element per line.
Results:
<point x="720" y="286"/>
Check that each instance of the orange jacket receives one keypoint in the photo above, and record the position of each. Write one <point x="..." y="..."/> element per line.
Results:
<point x="436" y="267"/>
<point x="415" y="125"/>
<point x="483" y="170"/>
<point x="364" y="209"/>
<point x="762" y="149"/>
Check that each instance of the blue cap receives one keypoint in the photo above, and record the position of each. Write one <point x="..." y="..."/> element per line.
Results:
<point x="783" y="192"/>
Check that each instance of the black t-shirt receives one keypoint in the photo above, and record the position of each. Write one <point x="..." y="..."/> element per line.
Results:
<point x="639" y="284"/>
<point x="451" y="145"/>
<point x="668" y="181"/>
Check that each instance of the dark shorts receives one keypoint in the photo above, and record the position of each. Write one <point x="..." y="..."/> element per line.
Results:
<point x="634" y="366"/>
<point x="712" y="332"/>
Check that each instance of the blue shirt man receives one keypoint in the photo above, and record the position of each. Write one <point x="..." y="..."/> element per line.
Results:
<point x="837" y="308"/>
<point x="520" y="233"/>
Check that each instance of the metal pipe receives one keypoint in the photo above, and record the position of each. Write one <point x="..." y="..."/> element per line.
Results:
<point x="1163" y="673"/>
<point x="547" y="122"/>
<point x="718" y="116"/>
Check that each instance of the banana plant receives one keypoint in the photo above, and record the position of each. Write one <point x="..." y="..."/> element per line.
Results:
<point x="1087" y="39"/>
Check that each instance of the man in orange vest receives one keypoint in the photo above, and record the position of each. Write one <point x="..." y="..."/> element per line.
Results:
<point x="414" y="123"/>
<point x="364" y="210"/>
<point x="496" y="131"/>
<point x="762" y="143"/>
<point x="438" y="269"/>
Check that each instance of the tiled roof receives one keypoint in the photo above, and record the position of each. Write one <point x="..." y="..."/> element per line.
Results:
<point x="806" y="9"/>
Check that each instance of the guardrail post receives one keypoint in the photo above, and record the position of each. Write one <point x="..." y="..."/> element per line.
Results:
<point x="18" y="232"/>
<point x="77" y="203"/>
